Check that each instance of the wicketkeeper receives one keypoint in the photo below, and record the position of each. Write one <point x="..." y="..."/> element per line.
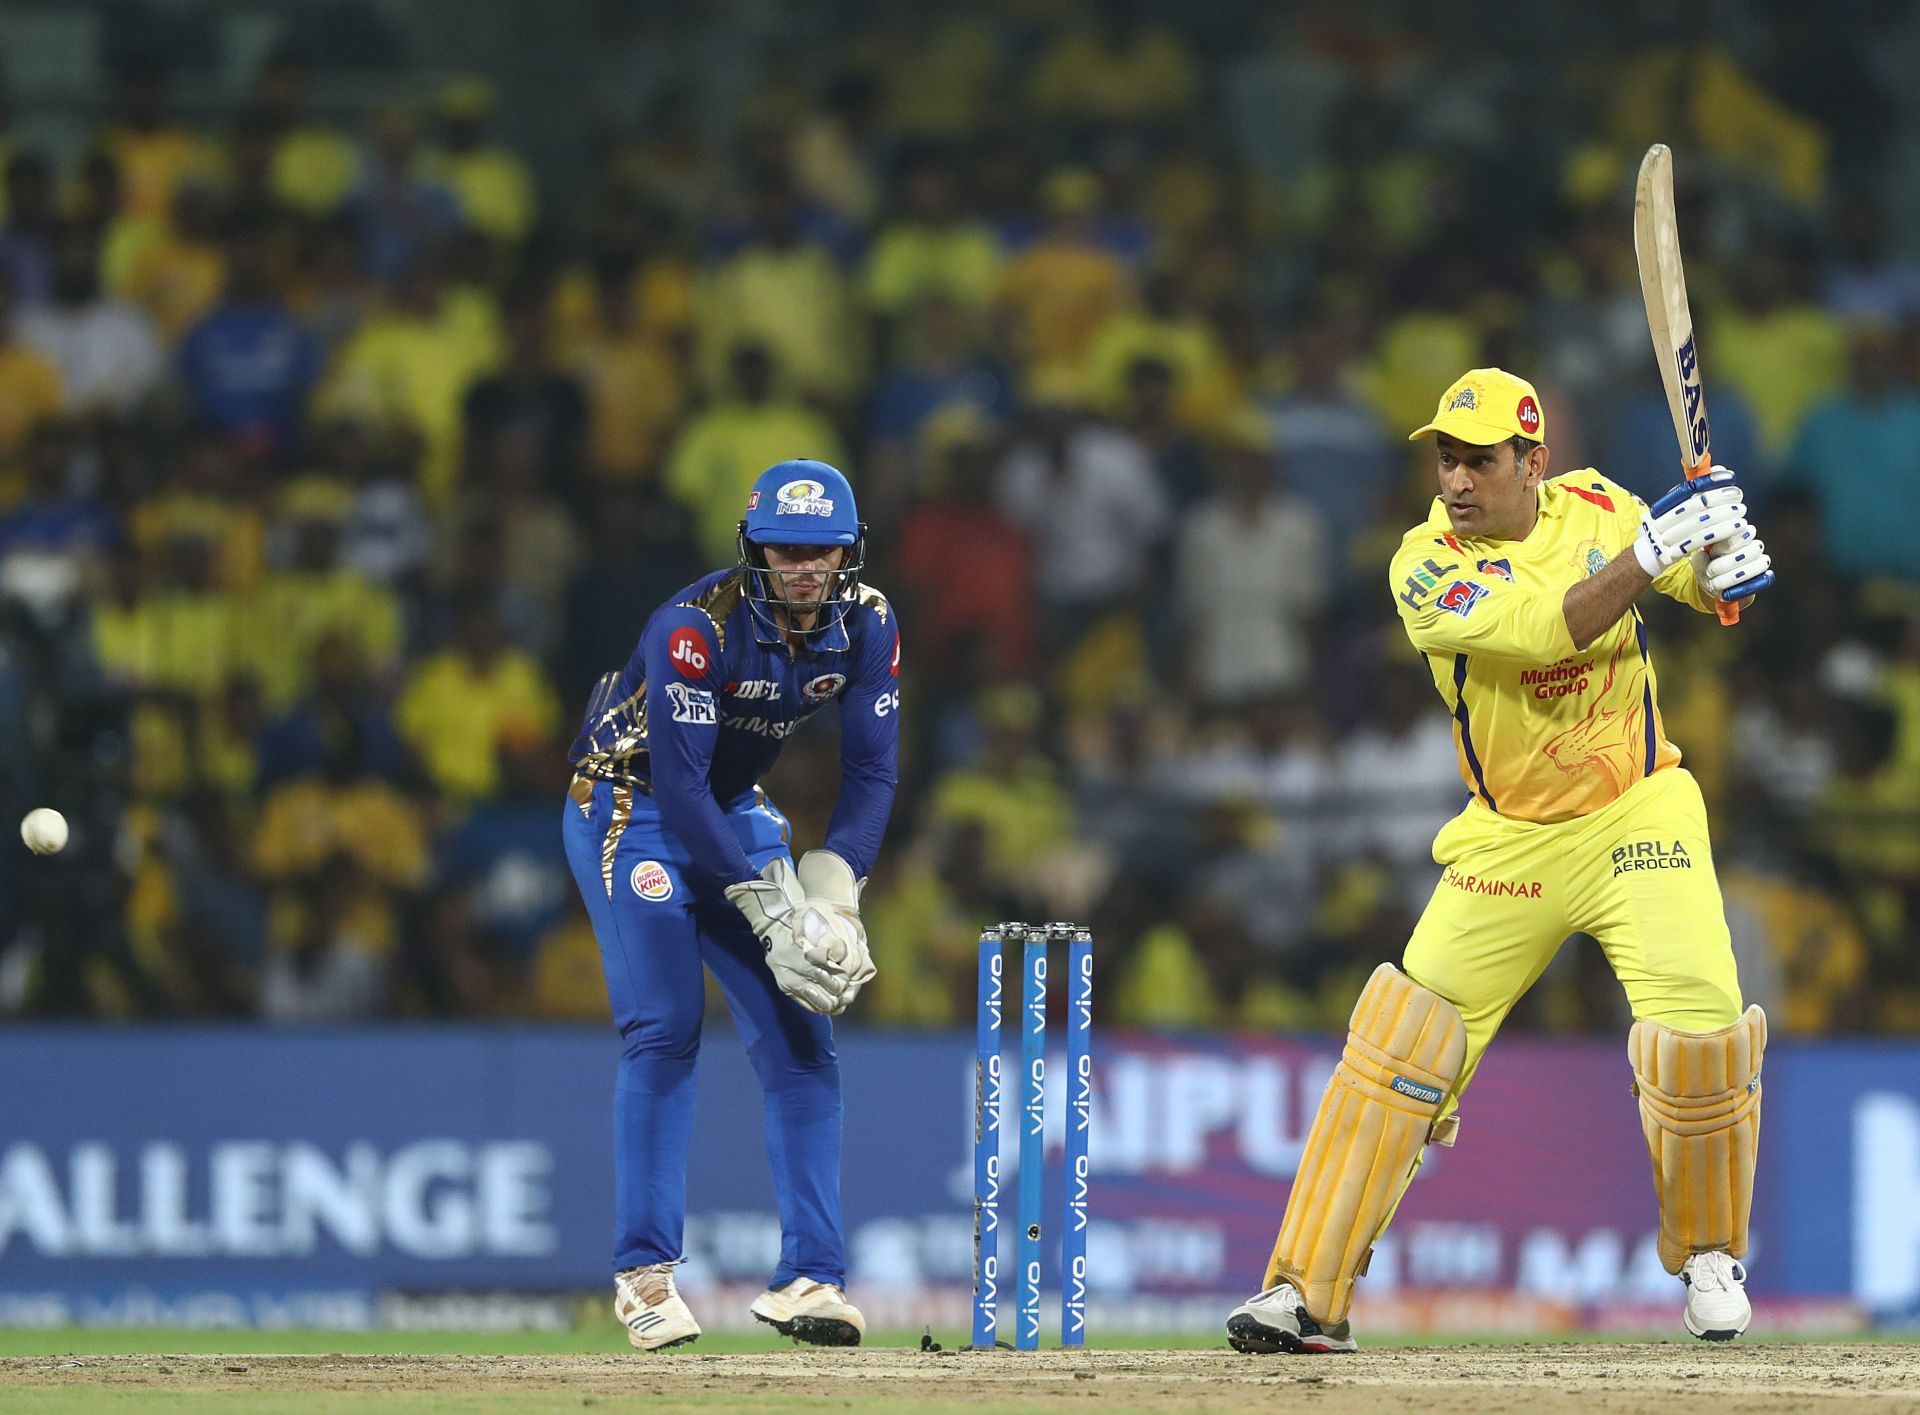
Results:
<point x="683" y="861"/>
<point x="1520" y="592"/>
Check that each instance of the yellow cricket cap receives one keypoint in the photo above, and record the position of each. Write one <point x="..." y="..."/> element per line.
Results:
<point x="1487" y="405"/>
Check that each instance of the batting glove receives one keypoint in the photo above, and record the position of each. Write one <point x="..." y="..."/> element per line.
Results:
<point x="1688" y="519"/>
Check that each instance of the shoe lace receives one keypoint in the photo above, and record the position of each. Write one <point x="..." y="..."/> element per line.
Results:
<point x="652" y="1284"/>
<point x="1715" y="1272"/>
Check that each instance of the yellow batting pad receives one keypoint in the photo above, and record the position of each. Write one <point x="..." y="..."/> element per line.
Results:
<point x="1405" y="1049"/>
<point x="1700" y="1107"/>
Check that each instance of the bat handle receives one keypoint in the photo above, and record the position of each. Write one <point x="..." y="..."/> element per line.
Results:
<point x="1729" y="612"/>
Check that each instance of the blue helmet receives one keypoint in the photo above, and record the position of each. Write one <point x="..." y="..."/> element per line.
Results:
<point x="801" y="502"/>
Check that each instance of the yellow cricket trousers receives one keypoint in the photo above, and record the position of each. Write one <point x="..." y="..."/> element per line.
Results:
<point x="1637" y="875"/>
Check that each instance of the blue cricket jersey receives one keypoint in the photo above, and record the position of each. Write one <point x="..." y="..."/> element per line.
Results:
<point x="700" y="711"/>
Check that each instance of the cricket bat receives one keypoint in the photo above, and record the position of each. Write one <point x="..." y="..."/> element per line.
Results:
<point x="1663" y="285"/>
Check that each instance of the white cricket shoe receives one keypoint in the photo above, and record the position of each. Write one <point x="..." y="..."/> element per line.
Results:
<point x="817" y="1313"/>
<point x="648" y="1305"/>
<point x="1276" y="1320"/>
<point x="1717" y="1306"/>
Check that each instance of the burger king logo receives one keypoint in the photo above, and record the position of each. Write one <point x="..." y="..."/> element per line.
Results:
<point x="651" y="881"/>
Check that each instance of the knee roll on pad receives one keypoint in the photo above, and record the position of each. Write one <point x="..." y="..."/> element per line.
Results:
<point x="1699" y="1098"/>
<point x="1405" y="1050"/>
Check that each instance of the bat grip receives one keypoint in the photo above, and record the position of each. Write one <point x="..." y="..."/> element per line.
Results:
<point x="1729" y="612"/>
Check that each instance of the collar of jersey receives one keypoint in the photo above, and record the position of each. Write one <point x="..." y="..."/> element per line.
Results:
<point x="832" y="639"/>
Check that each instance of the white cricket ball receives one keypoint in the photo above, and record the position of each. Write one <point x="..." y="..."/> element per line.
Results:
<point x="45" y="831"/>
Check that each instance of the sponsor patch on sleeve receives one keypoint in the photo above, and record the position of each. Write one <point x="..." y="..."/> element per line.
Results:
<point x="688" y="652"/>
<point x="1461" y="596"/>
<point x="694" y="705"/>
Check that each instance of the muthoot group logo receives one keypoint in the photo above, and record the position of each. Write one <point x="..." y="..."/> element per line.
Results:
<point x="432" y="1199"/>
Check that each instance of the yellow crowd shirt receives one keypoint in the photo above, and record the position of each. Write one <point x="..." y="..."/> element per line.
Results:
<point x="1545" y="732"/>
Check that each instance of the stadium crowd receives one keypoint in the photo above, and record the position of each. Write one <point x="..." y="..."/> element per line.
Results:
<point x="336" y="463"/>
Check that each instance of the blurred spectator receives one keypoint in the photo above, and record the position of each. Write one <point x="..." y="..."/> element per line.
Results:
<point x="529" y="400"/>
<point x="400" y="216"/>
<point x="30" y="386"/>
<point x="501" y="855"/>
<point x="1399" y="778"/>
<point x="539" y="544"/>
<point x="32" y="220"/>
<point x="155" y="154"/>
<point x="1013" y="793"/>
<point x="1782" y="351"/>
<point x="342" y="812"/>
<point x="634" y="382"/>
<point x="1169" y="328"/>
<point x="1251" y="576"/>
<point x="1115" y="67"/>
<point x="1148" y="411"/>
<point x="171" y="626"/>
<point x="631" y="280"/>
<point x="1687" y="81"/>
<point x="940" y="369"/>
<point x="177" y="275"/>
<point x="1323" y="427"/>
<point x="961" y="568"/>
<point x="410" y="366"/>
<point x="314" y="596"/>
<point x="786" y="291"/>
<point x="1856" y="453"/>
<point x="208" y="496"/>
<point x="313" y="165"/>
<point x="1864" y="279"/>
<point x="1059" y="291"/>
<point x="492" y="185"/>
<point x="835" y="148"/>
<point x="454" y="965"/>
<point x="1085" y="494"/>
<point x="640" y="549"/>
<point x="568" y="983"/>
<point x="106" y="349"/>
<point x="326" y="959"/>
<point x="55" y="519"/>
<point x="386" y="535"/>
<point x="330" y="288"/>
<point x="934" y="248"/>
<point x="743" y="432"/>
<point x="343" y="708"/>
<point x="1275" y="753"/>
<point x="249" y="365"/>
<point x="460" y="704"/>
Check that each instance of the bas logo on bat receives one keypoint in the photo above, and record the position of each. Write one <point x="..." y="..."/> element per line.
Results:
<point x="1692" y="397"/>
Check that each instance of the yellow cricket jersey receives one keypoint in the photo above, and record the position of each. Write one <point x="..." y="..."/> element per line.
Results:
<point x="1544" y="733"/>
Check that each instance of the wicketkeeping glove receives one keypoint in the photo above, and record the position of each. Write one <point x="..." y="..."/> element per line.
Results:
<point x="832" y="891"/>
<point x="772" y="905"/>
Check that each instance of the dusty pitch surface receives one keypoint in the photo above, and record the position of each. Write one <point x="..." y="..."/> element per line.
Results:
<point x="1620" y="1379"/>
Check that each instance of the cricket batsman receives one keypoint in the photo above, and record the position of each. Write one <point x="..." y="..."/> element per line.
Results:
<point x="1520" y="592"/>
<point x="683" y="861"/>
